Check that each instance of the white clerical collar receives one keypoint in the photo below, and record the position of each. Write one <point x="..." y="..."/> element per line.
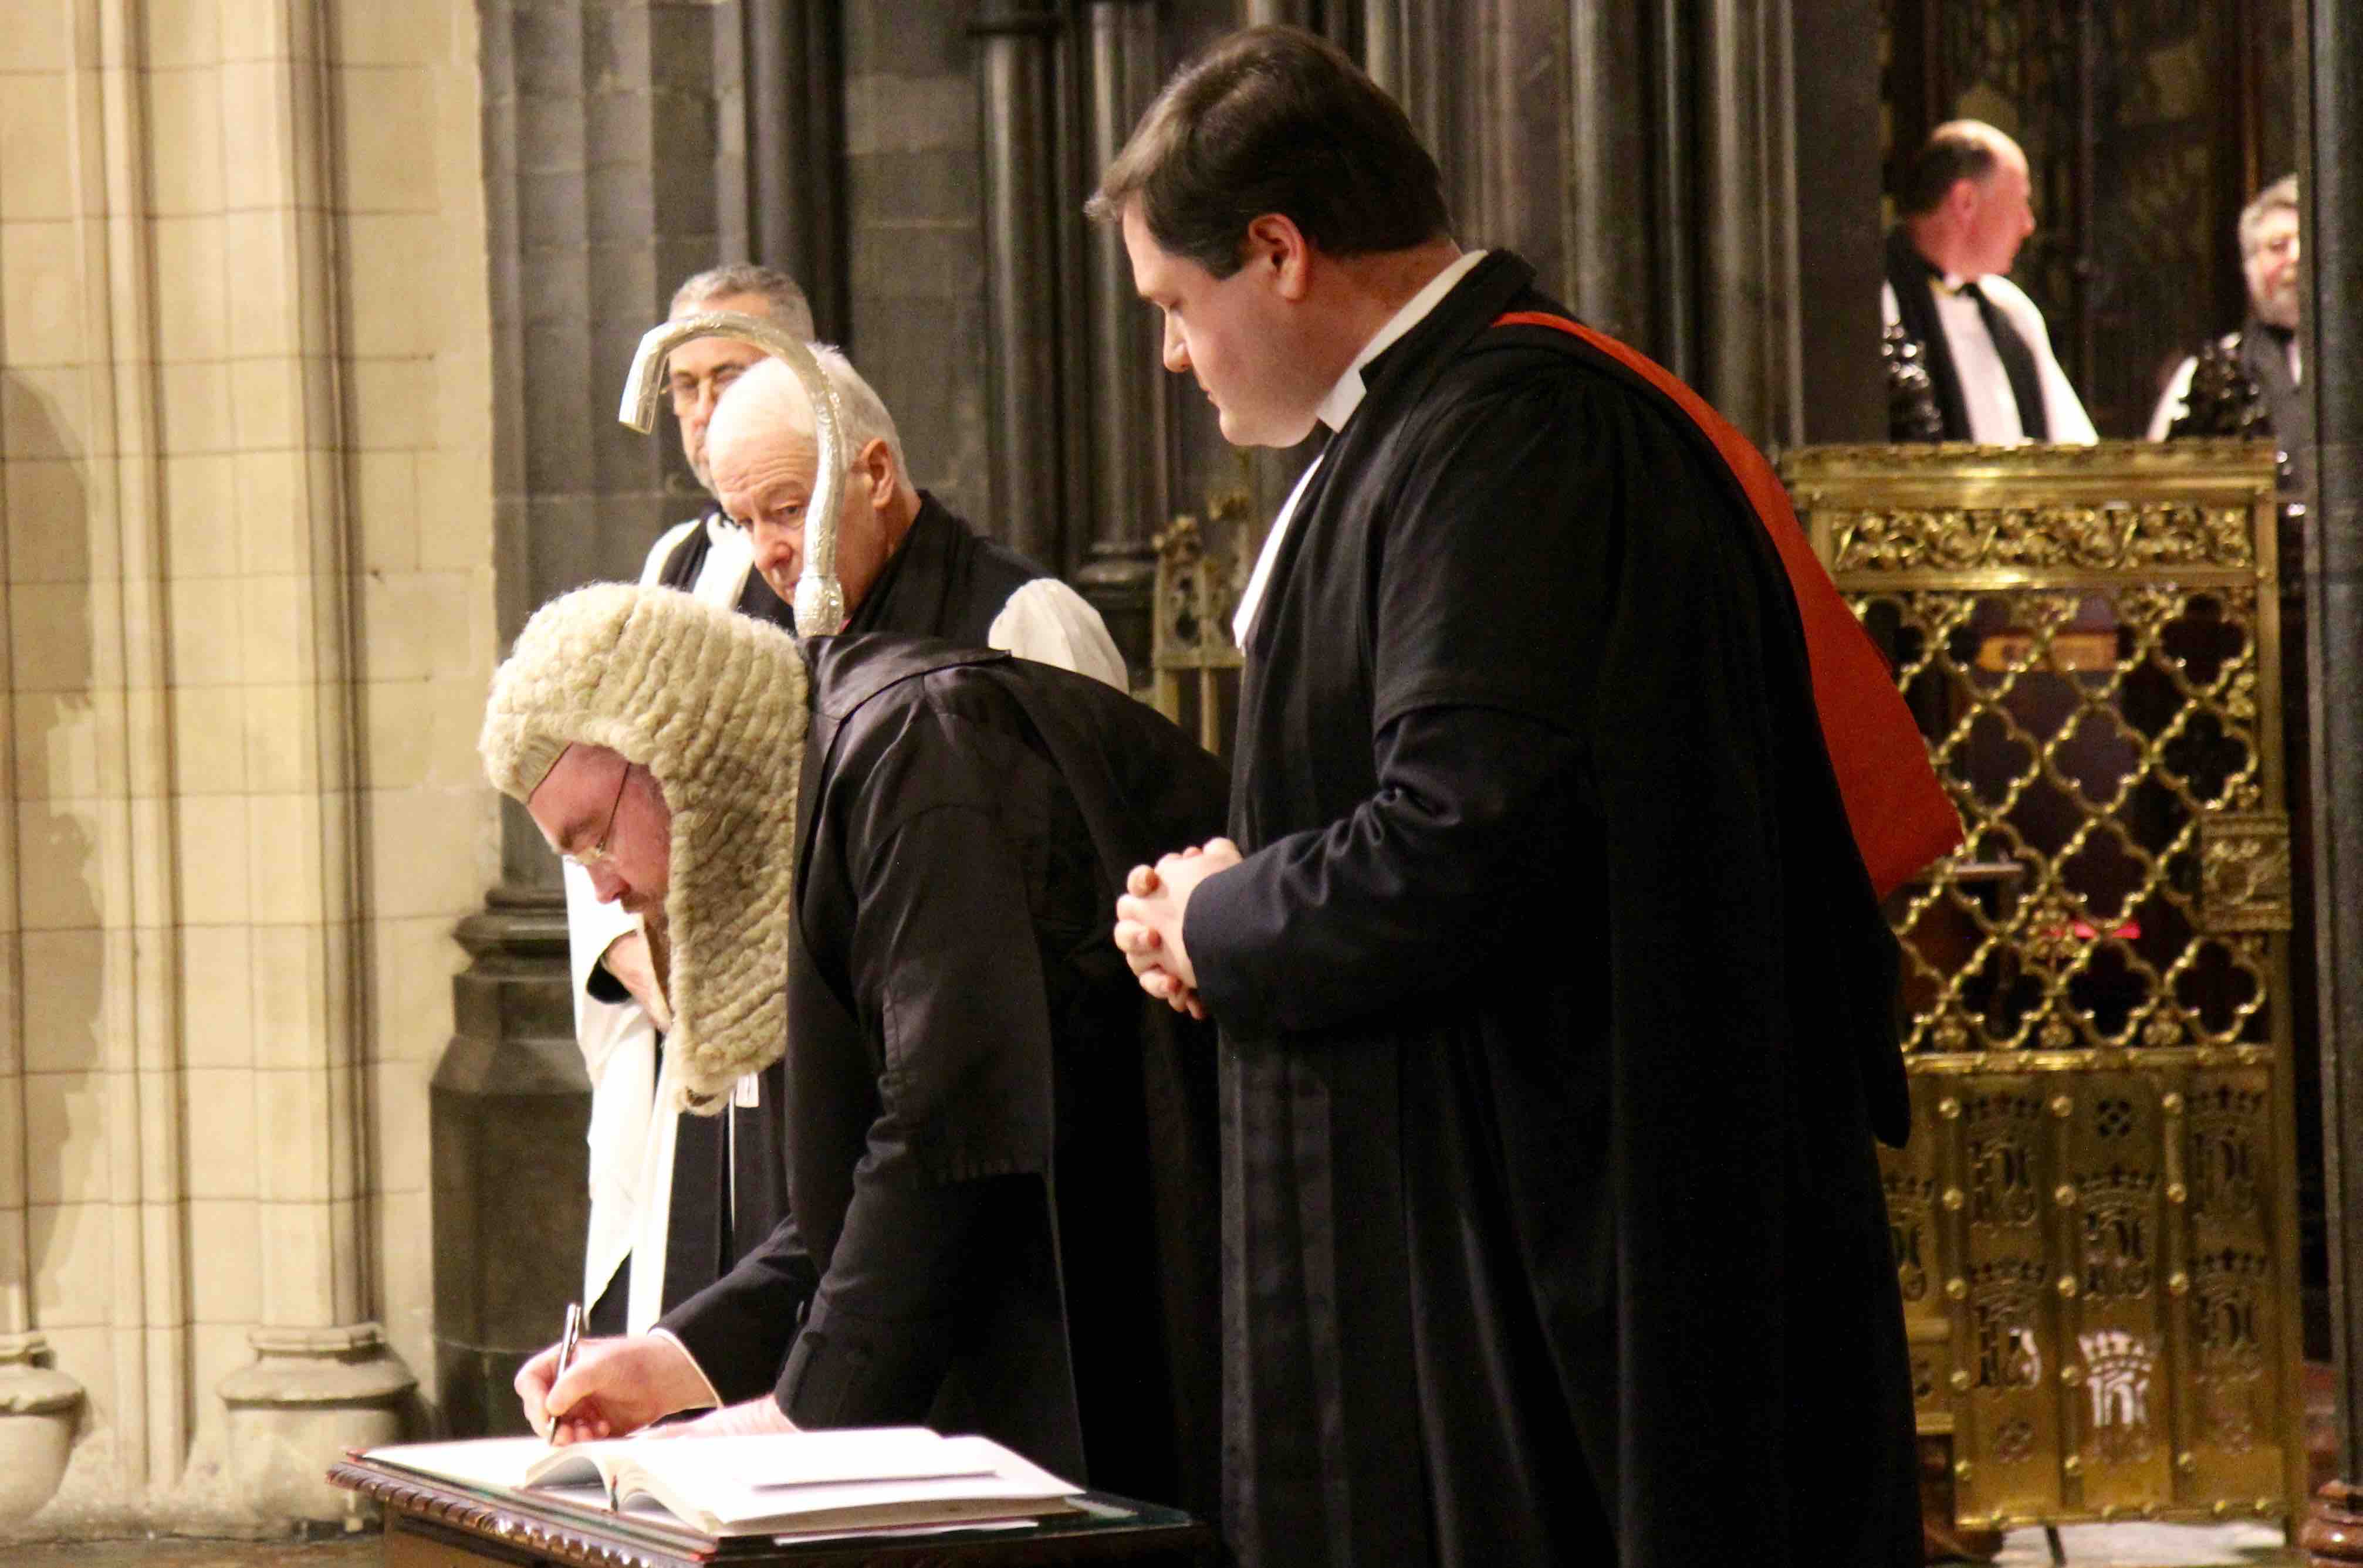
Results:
<point x="1346" y="395"/>
<point x="1335" y="410"/>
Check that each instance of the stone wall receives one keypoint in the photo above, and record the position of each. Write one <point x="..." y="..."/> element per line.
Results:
<point x="914" y="183"/>
<point x="249" y="617"/>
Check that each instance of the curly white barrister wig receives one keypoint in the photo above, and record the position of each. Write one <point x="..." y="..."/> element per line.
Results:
<point x="712" y="703"/>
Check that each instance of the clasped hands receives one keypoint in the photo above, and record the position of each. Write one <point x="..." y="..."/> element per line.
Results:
<point x="1149" y="921"/>
<point x="617" y="1385"/>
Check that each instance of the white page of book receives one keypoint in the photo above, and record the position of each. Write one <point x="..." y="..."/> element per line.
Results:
<point x="478" y="1462"/>
<point x="816" y="1458"/>
<point x="768" y="1475"/>
<point x="736" y="1504"/>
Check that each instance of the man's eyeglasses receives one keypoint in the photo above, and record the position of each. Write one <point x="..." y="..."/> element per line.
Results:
<point x="689" y="391"/>
<point x="587" y="858"/>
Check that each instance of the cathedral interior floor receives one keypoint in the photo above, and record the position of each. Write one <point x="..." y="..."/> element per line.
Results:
<point x="2088" y="1546"/>
<point x="351" y="1551"/>
<point x="2154" y="1546"/>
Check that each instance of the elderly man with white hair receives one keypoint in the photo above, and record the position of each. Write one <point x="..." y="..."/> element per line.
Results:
<point x="677" y="1201"/>
<point x="907" y="562"/>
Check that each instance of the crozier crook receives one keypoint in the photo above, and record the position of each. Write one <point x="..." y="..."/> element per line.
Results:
<point x="820" y="597"/>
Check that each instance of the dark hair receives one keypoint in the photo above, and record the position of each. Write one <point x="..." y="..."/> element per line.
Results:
<point x="788" y="305"/>
<point x="1950" y="157"/>
<point x="1274" y="120"/>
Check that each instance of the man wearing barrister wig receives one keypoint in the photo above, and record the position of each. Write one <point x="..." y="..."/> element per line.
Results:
<point x="893" y="860"/>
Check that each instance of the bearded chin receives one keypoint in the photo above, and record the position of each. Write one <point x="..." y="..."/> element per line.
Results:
<point x="2279" y="307"/>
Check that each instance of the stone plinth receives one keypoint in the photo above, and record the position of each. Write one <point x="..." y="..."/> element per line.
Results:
<point x="310" y="1395"/>
<point x="38" y="1408"/>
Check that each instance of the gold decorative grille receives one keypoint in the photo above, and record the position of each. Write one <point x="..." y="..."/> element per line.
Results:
<point x="2095" y="1221"/>
<point x="1195" y="665"/>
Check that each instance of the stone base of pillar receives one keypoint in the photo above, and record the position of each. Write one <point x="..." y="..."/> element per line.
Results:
<point x="508" y="1108"/>
<point x="2332" y="1534"/>
<point x="38" y="1408"/>
<point x="310" y="1395"/>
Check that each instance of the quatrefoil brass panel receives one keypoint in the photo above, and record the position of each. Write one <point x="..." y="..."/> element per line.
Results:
<point x="2095" y="1214"/>
<point x="2244" y="871"/>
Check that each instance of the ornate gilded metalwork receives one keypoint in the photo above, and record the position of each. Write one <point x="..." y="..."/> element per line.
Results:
<point x="2244" y="870"/>
<point x="1201" y="572"/>
<point x="2096" y="1214"/>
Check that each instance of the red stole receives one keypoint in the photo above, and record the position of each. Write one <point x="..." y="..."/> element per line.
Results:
<point x="1900" y="813"/>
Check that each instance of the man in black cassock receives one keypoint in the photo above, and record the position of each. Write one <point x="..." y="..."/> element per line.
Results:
<point x="699" y="1192"/>
<point x="1554" y="994"/>
<point x="1001" y="1155"/>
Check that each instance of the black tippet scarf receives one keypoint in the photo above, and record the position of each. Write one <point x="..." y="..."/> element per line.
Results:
<point x="1908" y="273"/>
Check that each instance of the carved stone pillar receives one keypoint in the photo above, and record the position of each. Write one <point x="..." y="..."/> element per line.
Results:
<point x="39" y="1405"/>
<point x="2332" y="187"/>
<point x="37" y="1409"/>
<point x="324" y="1377"/>
<point x="1608" y="243"/>
<point x="510" y="1113"/>
<point x="1129" y="450"/>
<point x="795" y="152"/>
<point x="1748" y="293"/>
<point x="1837" y="232"/>
<point x="1022" y="230"/>
<point x="609" y="174"/>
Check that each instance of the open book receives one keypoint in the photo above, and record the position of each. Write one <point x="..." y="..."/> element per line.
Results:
<point x="852" y="1479"/>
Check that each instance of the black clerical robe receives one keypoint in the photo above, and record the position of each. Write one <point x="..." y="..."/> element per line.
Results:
<point x="1555" y="1001"/>
<point x="1002" y="1156"/>
<point x="730" y="1175"/>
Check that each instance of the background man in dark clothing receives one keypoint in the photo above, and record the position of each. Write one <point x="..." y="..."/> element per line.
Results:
<point x="2247" y="383"/>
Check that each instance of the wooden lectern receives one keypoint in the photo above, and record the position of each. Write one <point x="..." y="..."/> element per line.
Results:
<point x="431" y="1524"/>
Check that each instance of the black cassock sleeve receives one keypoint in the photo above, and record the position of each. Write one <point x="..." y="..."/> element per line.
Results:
<point x="1408" y="894"/>
<point x="739" y="1329"/>
<point x="1500" y="544"/>
<point x="947" y="976"/>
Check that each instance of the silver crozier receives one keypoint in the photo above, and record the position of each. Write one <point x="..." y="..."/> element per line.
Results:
<point x="820" y="597"/>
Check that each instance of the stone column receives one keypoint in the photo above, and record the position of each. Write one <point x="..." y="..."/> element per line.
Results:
<point x="39" y="1405"/>
<point x="231" y="798"/>
<point x="2332" y="188"/>
<point x="1263" y="13"/>
<point x="1608" y="238"/>
<point x="795" y="152"/>
<point x="611" y="148"/>
<point x="1836" y="233"/>
<point x="1747" y="283"/>
<point x="1022" y="238"/>
<point x="323" y="1378"/>
<point x="1130" y="448"/>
